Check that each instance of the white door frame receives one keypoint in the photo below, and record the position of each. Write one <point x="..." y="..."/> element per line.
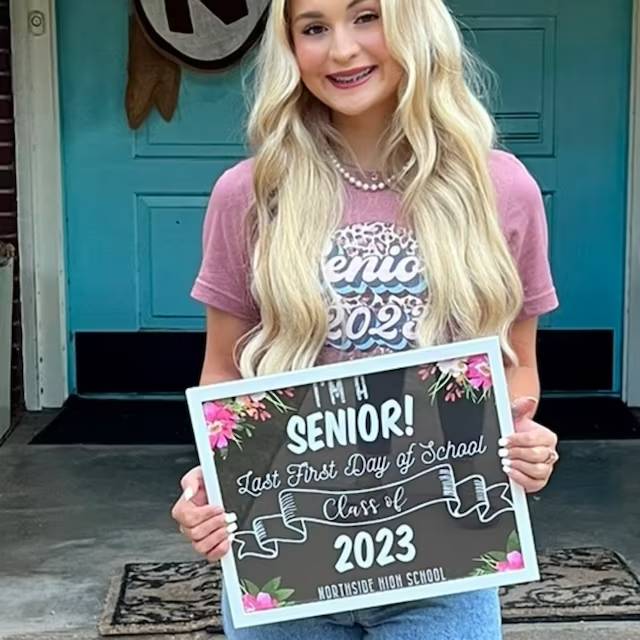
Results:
<point x="631" y="363"/>
<point x="40" y="208"/>
<point x="41" y="237"/>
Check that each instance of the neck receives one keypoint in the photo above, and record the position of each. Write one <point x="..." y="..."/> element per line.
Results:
<point x="363" y="133"/>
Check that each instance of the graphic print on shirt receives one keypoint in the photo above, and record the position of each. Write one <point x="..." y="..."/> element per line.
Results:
<point x="376" y="274"/>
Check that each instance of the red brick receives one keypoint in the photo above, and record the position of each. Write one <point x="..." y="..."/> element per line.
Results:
<point x="5" y="37"/>
<point x="6" y="108"/>
<point x="8" y="203"/>
<point x="5" y="83"/>
<point x="6" y="131"/>
<point x="7" y="178"/>
<point x="8" y="230"/>
<point x="7" y="154"/>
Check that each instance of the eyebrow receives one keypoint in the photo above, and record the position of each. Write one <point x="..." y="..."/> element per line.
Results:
<point x="316" y="15"/>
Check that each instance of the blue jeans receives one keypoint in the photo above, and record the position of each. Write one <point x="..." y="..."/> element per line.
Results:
<point x="467" y="616"/>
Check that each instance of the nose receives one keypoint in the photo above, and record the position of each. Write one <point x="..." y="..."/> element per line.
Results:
<point x="343" y="46"/>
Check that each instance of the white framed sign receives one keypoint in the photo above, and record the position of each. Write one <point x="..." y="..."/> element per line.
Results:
<point x="364" y="483"/>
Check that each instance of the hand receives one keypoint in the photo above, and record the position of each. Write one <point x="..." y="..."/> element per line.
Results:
<point x="207" y="527"/>
<point x="529" y="455"/>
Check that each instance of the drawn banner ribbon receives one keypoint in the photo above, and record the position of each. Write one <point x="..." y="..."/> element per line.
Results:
<point x="298" y="507"/>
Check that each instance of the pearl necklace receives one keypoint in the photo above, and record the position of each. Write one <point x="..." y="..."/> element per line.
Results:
<point x="376" y="185"/>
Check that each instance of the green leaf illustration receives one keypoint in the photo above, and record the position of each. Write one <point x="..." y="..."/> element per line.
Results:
<point x="283" y="594"/>
<point x="272" y="586"/>
<point x="498" y="556"/>
<point x="513" y="543"/>
<point x="252" y="589"/>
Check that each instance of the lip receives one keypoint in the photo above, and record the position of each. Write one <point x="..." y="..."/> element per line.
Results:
<point x="351" y="72"/>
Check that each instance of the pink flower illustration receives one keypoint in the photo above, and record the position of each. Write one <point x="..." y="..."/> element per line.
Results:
<point x="425" y="372"/>
<point x="479" y="372"/>
<point x="513" y="562"/>
<point x="258" y="411"/>
<point x="220" y="424"/>
<point x="452" y="393"/>
<point x="455" y="368"/>
<point x="249" y="400"/>
<point x="261" y="602"/>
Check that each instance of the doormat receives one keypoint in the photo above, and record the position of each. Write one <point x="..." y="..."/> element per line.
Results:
<point x="114" y="422"/>
<point x="130" y="422"/>
<point x="582" y="584"/>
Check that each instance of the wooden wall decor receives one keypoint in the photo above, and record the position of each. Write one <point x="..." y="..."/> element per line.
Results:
<point x="153" y="79"/>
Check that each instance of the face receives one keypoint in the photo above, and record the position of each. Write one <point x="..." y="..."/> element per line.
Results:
<point x="342" y="54"/>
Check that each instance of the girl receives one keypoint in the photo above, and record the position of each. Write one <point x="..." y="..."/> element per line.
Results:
<point x="370" y="143"/>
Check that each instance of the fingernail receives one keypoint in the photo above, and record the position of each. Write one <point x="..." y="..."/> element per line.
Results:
<point x="503" y="442"/>
<point x="230" y="517"/>
<point x="503" y="453"/>
<point x="231" y="538"/>
<point x="506" y="463"/>
<point x="232" y="527"/>
<point x="188" y="494"/>
<point x="506" y="469"/>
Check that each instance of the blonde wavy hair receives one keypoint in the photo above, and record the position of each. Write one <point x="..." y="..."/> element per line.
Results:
<point x="448" y="198"/>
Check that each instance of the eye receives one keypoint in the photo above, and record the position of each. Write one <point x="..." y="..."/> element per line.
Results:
<point x="313" y="30"/>
<point x="367" y="17"/>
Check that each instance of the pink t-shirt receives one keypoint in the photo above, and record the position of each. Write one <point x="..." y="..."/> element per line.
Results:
<point x="373" y="265"/>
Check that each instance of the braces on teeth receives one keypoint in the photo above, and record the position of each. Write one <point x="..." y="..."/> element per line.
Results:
<point x="355" y="78"/>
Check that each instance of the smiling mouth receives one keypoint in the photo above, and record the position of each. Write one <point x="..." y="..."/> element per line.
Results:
<point x="351" y="80"/>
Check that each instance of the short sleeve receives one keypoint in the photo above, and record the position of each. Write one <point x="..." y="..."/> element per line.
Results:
<point x="224" y="278"/>
<point x="525" y="226"/>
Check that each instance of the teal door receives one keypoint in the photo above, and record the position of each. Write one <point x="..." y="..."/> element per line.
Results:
<point x="134" y="201"/>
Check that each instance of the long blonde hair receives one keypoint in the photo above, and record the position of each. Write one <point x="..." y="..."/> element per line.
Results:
<point x="448" y="197"/>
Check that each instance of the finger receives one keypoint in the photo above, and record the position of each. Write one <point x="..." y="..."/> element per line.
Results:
<point x="192" y="479"/>
<point x="202" y="531"/>
<point x="528" y="484"/>
<point x="534" y="471"/>
<point x="193" y="487"/>
<point x="524" y="407"/>
<point x="205" y="546"/>
<point x="528" y="454"/>
<point x="221" y="550"/>
<point x="539" y="437"/>
<point x="190" y="516"/>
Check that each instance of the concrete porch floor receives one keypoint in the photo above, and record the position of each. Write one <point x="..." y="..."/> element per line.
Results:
<point x="71" y="516"/>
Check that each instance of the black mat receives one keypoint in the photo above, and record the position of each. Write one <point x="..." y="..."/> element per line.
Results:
<point x="582" y="584"/>
<point x="91" y="421"/>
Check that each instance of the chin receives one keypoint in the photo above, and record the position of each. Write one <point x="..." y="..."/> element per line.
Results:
<point x="351" y="109"/>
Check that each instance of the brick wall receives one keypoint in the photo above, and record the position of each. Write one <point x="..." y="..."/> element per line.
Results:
<point x="8" y="208"/>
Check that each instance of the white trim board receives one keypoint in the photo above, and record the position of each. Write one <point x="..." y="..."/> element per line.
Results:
<point x="39" y="193"/>
<point x="631" y="360"/>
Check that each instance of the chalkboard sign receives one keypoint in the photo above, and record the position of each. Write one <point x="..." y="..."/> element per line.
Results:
<point x="364" y="483"/>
